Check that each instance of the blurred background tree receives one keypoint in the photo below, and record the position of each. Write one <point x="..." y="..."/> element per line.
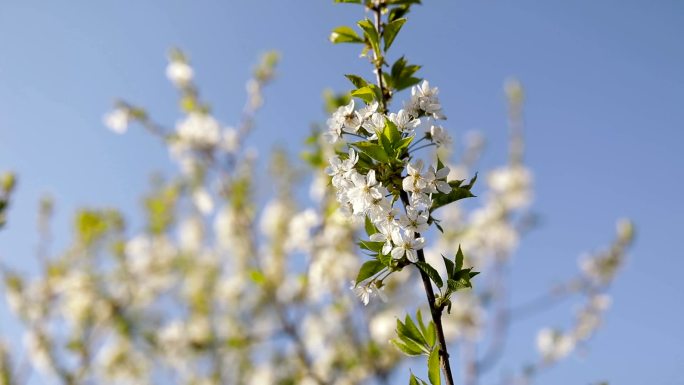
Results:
<point x="86" y="329"/>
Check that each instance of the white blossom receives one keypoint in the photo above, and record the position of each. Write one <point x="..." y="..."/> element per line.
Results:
<point x="439" y="136"/>
<point x="404" y="121"/>
<point x="199" y="130"/>
<point x="405" y="244"/>
<point x="554" y="345"/>
<point x="179" y="73"/>
<point x="414" y="220"/>
<point x="118" y="120"/>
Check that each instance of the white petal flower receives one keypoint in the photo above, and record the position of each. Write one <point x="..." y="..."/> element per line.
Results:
<point x="554" y="345"/>
<point x="404" y="121"/>
<point x="117" y="120"/>
<point x="179" y="73"/>
<point x="406" y="244"/>
<point x="199" y="130"/>
<point x="439" y="136"/>
<point x="414" y="220"/>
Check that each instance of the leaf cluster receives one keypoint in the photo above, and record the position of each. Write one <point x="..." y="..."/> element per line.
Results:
<point x="414" y="339"/>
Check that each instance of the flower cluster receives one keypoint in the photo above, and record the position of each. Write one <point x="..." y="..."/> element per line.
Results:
<point x="369" y="179"/>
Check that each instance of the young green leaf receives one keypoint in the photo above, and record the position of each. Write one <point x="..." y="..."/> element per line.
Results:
<point x="357" y="81"/>
<point x="409" y="329"/>
<point x="431" y="272"/>
<point x="391" y="30"/>
<point x="433" y="367"/>
<point x="449" y="266"/>
<point x="365" y="93"/>
<point x="456" y="194"/>
<point x="409" y="348"/>
<point x="369" y="226"/>
<point x="371" y="246"/>
<point x="458" y="260"/>
<point x="372" y="150"/>
<point x="371" y="34"/>
<point x="345" y="34"/>
<point x="369" y="269"/>
<point x="416" y="381"/>
<point x="421" y="324"/>
<point x="431" y="334"/>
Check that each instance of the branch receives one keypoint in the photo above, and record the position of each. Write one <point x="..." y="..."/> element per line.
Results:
<point x="435" y="311"/>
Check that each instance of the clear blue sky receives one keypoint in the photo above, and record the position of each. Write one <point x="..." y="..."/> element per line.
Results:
<point x="605" y="113"/>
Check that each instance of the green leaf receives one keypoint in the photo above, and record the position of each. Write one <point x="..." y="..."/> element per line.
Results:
<point x="456" y="194"/>
<point x="373" y="150"/>
<point x="419" y="318"/>
<point x="391" y="132"/>
<point x="357" y="81"/>
<point x="416" y="381"/>
<point x="371" y="246"/>
<point x="370" y="227"/>
<point x="471" y="183"/>
<point x="458" y="260"/>
<point x="391" y="30"/>
<point x="403" y="144"/>
<point x="369" y="269"/>
<point x="413" y="380"/>
<point x="410" y="348"/>
<point x="366" y="93"/>
<point x="402" y="74"/>
<point x="371" y="34"/>
<point x="449" y="266"/>
<point x="431" y="272"/>
<point x="398" y="12"/>
<point x="385" y="259"/>
<point x="433" y="367"/>
<point x="344" y="34"/>
<point x="410" y="331"/>
<point x="431" y="334"/>
<point x="456" y="285"/>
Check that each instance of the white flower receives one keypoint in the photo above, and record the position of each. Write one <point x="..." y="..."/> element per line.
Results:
<point x="368" y="111"/>
<point x="414" y="220"/>
<point x="366" y="292"/>
<point x="439" y="182"/>
<point x="554" y="345"/>
<point x="416" y="180"/>
<point x="118" y="120"/>
<point x="202" y="200"/>
<point x="345" y="118"/>
<point x="424" y="100"/>
<point x="439" y="136"/>
<point x="179" y="73"/>
<point x="341" y="170"/>
<point x="404" y="121"/>
<point x="365" y="192"/>
<point x="334" y="129"/>
<point x="199" y="130"/>
<point x="384" y="234"/>
<point x="406" y="244"/>
<point x="420" y="200"/>
<point x="299" y="230"/>
<point x="231" y="140"/>
<point x="375" y="125"/>
<point x="512" y="186"/>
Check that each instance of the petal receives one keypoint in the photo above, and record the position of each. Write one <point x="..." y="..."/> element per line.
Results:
<point x="397" y="253"/>
<point x="411" y="256"/>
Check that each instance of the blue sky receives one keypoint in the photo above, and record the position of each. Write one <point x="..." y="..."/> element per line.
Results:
<point x="605" y="106"/>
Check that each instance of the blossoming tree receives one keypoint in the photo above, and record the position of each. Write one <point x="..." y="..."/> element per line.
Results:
<point x="222" y="288"/>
